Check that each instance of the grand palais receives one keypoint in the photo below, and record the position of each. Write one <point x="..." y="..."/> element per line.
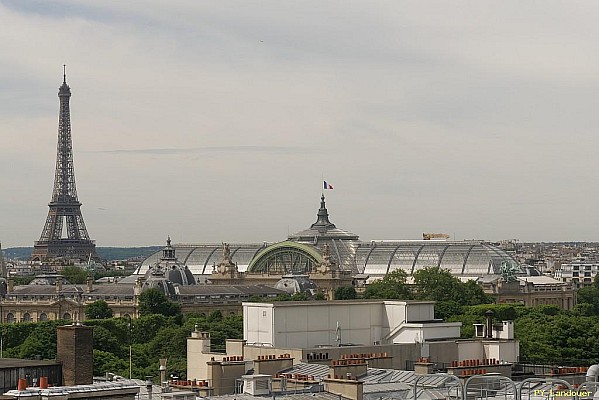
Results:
<point x="207" y="277"/>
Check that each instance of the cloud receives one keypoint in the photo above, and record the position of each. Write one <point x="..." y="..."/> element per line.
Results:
<point x="218" y="120"/>
<point x="281" y="150"/>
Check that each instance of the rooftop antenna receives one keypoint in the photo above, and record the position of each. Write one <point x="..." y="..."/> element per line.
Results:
<point x="3" y="273"/>
<point x="91" y="265"/>
<point x="64" y="73"/>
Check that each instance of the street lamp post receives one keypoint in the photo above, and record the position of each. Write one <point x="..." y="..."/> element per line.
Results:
<point x="130" y="347"/>
<point x="130" y="361"/>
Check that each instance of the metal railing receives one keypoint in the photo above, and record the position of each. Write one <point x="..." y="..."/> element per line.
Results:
<point x="452" y="382"/>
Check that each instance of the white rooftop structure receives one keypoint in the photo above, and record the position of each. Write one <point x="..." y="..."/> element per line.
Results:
<point x="330" y="323"/>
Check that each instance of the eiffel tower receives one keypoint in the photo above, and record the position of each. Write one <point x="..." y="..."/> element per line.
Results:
<point x="65" y="208"/>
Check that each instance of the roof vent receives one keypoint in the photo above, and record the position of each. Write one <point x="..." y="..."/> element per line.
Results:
<point x="257" y="385"/>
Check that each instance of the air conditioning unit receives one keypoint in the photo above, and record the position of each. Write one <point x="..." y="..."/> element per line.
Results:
<point x="257" y="385"/>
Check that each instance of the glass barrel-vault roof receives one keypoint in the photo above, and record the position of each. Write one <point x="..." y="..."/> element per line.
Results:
<point x="303" y="250"/>
<point x="404" y="256"/>
<point x="467" y="258"/>
<point x="376" y="258"/>
<point x="430" y="256"/>
<point x="200" y="258"/>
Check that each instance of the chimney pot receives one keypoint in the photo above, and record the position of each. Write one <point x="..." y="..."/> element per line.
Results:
<point x="43" y="382"/>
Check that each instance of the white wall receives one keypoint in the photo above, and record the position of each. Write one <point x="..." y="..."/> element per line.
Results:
<point x="471" y="350"/>
<point x="413" y="333"/>
<point x="198" y="354"/>
<point x="258" y="323"/>
<point x="196" y="367"/>
<point x="395" y="313"/>
<point x="442" y="330"/>
<point x="309" y="325"/>
<point x="306" y="325"/>
<point x="420" y="312"/>
<point x="503" y="351"/>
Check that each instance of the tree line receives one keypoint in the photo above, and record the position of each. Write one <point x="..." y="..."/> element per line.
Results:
<point x="431" y="283"/>
<point x="161" y="331"/>
<point x="547" y="334"/>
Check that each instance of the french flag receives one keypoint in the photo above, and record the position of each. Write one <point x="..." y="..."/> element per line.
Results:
<point x="327" y="185"/>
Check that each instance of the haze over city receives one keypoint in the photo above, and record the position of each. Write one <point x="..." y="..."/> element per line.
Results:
<point x="218" y="121"/>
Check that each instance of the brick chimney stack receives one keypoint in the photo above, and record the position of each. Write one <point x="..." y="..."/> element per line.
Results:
<point x="75" y="353"/>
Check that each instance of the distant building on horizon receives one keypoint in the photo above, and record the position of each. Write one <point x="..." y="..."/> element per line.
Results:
<point x="50" y="297"/>
<point x="579" y="273"/>
<point x="331" y="257"/>
<point x="302" y="253"/>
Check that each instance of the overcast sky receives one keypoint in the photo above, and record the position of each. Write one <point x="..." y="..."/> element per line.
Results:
<point x="217" y="120"/>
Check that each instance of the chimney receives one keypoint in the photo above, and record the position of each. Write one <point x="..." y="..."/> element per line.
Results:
<point x="199" y="342"/>
<point x="162" y="371"/>
<point x="348" y="367"/>
<point x="43" y="382"/>
<point x="345" y="388"/>
<point x="424" y="366"/>
<point x="149" y="386"/>
<point x="90" y="284"/>
<point x="58" y="284"/>
<point x="489" y="315"/>
<point x="74" y="350"/>
<point x="11" y="285"/>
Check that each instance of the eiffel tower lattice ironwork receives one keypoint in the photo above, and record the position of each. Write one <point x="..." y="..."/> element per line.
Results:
<point x="65" y="208"/>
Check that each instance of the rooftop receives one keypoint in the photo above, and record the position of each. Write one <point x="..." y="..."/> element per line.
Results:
<point x="20" y="363"/>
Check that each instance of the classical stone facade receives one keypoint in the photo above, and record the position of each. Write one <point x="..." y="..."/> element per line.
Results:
<point x="533" y="291"/>
<point x="59" y="300"/>
<point x="33" y="303"/>
<point x="46" y="302"/>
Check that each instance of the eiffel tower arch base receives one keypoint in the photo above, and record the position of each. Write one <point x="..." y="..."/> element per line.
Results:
<point x="64" y="248"/>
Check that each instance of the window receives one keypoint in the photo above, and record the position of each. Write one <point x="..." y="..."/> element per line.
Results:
<point x="43" y="317"/>
<point x="27" y="317"/>
<point x="66" y="316"/>
<point x="10" y="318"/>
